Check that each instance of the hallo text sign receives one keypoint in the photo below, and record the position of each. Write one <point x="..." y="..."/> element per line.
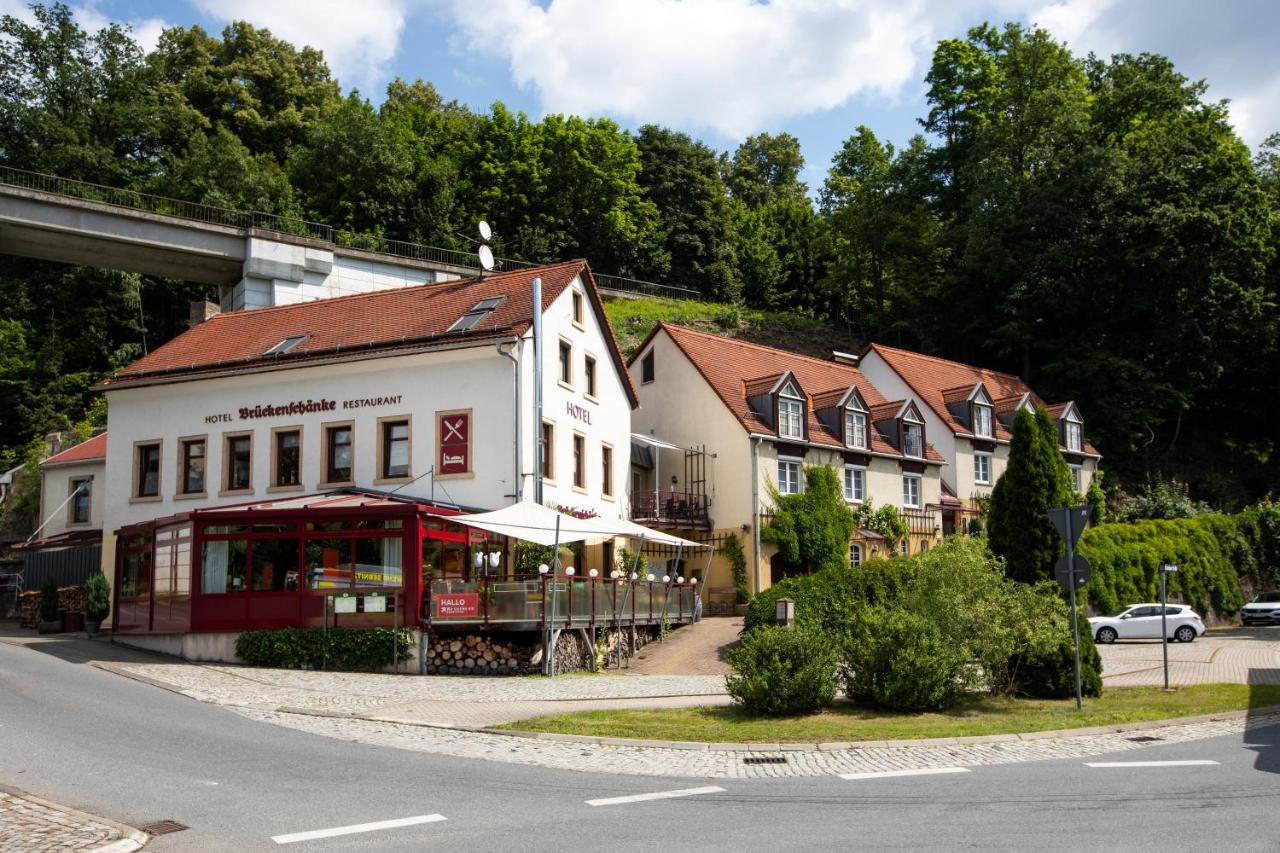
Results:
<point x="458" y="605"/>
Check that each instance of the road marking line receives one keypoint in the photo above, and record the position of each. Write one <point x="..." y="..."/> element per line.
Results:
<point x="1197" y="762"/>
<point x="887" y="774"/>
<point x="294" y="837"/>
<point x="656" y="795"/>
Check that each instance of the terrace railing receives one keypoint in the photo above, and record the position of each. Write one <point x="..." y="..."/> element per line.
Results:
<point x="671" y="509"/>
<point x="245" y="219"/>
<point x="562" y="603"/>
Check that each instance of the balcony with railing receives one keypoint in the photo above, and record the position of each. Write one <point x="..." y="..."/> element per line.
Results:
<point x="682" y="510"/>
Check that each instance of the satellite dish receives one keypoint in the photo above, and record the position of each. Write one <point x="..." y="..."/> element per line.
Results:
<point x="486" y="258"/>
<point x="486" y="233"/>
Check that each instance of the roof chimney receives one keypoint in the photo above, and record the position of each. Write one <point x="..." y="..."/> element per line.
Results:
<point x="200" y="311"/>
<point x="845" y="357"/>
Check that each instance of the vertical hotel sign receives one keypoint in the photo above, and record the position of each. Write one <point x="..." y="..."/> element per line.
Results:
<point x="454" y="431"/>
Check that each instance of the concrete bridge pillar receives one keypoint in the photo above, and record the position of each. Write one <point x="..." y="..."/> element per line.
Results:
<point x="276" y="273"/>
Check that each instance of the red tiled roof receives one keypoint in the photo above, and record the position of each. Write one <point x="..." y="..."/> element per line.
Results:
<point x="727" y="363"/>
<point x="1055" y="411"/>
<point x="829" y="399"/>
<point x="86" y="451"/>
<point x="933" y="379"/>
<point x="959" y="394"/>
<point x="394" y="320"/>
<point x="762" y="385"/>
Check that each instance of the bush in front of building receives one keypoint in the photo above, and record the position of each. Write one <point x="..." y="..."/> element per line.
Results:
<point x="917" y="633"/>
<point x="97" y="598"/>
<point x="899" y="660"/>
<point x="813" y="528"/>
<point x="780" y="672"/>
<point x="1051" y="674"/>
<point x="348" y="649"/>
<point x="50" y="605"/>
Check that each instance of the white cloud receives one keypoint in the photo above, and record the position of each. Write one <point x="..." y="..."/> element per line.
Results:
<point x="358" y="39"/>
<point x="734" y="66"/>
<point x="145" y="31"/>
<point x="1069" y="19"/>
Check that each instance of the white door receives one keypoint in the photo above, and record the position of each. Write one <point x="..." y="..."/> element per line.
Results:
<point x="1143" y="623"/>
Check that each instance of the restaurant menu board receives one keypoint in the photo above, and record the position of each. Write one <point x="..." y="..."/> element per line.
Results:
<point x="344" y="603"/>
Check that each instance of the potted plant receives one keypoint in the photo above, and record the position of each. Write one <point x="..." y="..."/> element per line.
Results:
<point x="50" y="616"/>
<point x="97" y="602"/>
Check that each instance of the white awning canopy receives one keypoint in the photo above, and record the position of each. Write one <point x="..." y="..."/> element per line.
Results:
<point x="535" y="523"/>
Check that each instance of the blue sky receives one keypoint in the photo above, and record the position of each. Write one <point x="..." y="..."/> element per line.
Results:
<point x="722" y="69"/>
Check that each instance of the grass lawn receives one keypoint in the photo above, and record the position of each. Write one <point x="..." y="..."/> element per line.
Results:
<point x="845" y="722"/>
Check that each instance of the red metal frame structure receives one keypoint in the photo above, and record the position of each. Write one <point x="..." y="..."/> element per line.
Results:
<point x="271" y="564"/>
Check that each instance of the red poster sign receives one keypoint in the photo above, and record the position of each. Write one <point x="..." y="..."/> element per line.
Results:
<point x="457" y="605"/>
<point x="455" y="444"/>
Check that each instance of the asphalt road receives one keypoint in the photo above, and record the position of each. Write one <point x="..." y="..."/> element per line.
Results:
<point x="138" y="754"/>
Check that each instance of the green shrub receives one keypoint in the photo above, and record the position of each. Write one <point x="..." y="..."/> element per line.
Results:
<point x="812" y="529"/>
<point x="1260" y="527"/>
<point x="1210" y="551"/>
<point x="353" y="649"/>
<point x="732" y="550"/>
<point x="97" y="598"/>
<point x="900" y="660"/>
<point x="1051" y="674"/>
<point x="780" y="672"/>
<point x="49" y="605"/>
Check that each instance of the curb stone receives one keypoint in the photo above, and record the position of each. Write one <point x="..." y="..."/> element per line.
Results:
<point x="1117" y="728"/>
<point x="130" y="839"/>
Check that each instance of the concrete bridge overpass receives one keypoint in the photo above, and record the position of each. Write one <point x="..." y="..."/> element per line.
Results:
<point x="254" y="259"/>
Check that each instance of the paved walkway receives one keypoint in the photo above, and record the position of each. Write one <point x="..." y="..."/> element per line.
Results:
<point x="31" y="825"/>
<point x="1234" y="656"/>
<point x="696" y="649"/>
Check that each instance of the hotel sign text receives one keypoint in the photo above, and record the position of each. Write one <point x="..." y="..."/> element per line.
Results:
<point x="301" y="407"/>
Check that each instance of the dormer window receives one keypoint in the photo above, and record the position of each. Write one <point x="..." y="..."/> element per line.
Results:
<point x="790" y="413"/>
<point x="1075" y="436"/>
<point x="982" y="420"/>
<point x="913" y="439"/>
<point x="855" y="429"/>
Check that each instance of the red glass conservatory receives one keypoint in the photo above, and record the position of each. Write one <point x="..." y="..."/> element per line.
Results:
<point x="280" y="563"/>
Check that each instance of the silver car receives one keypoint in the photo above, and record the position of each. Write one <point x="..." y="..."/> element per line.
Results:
<point x="1142" y="622"/>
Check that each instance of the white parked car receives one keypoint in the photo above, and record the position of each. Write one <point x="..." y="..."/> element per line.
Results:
<point x="1264" y="608"/>
<point x="1142" y="622"/>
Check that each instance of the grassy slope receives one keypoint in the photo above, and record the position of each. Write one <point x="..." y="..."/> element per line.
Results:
<point x="633" y="319"/>
<point x="846" y="722"/>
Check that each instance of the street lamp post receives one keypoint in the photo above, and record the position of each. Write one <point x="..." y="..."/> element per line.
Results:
<point x="1165" y="570"/>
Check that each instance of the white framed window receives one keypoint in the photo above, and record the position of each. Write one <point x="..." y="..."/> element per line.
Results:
<point x="910" y="491"/>
<point x="789" y="476"/>
<point x="855" y="553"/>
<point x="982" y="420"/>
<point x="855" y="429"/>
<point x="904" y="547"/>
<point x="913" y="439"/>
<point x="855" y="484"/>
<point x="790" y="418"/>
<point x="1075" y="436"/>
<point x="982" y="469"/>
<point x="1075" y="478"/>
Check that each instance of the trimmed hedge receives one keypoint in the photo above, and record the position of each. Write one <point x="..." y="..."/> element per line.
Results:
<point x="351" y="649"/>
<point x="1210" y="551"/>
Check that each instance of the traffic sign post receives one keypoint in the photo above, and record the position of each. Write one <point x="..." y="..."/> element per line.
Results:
<point x="1165" y="570"/>
<point x="1072" y="571"/>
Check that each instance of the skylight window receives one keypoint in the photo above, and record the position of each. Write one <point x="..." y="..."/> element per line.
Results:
<point x="286" y="345"/>
<point x="472" y="318"/>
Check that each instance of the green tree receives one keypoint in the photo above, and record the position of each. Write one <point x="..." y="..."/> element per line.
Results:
<point x="812" y="530"/>
<point x="1036" y="480"/>
<point x="694" y="239"/>
<point x="766" y="169"/>
<point x="263" y="89"/>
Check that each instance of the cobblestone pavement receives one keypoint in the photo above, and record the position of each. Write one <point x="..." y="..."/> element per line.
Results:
<point x="368" y="693"/>
<point x="1238" y="656"/>
<point x="726" y="761"/>
<point x="693" y="650"/>
<point x="31" y="825"/>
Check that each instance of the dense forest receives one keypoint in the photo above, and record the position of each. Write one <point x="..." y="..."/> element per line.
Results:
<point x="1093" y="224"/>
